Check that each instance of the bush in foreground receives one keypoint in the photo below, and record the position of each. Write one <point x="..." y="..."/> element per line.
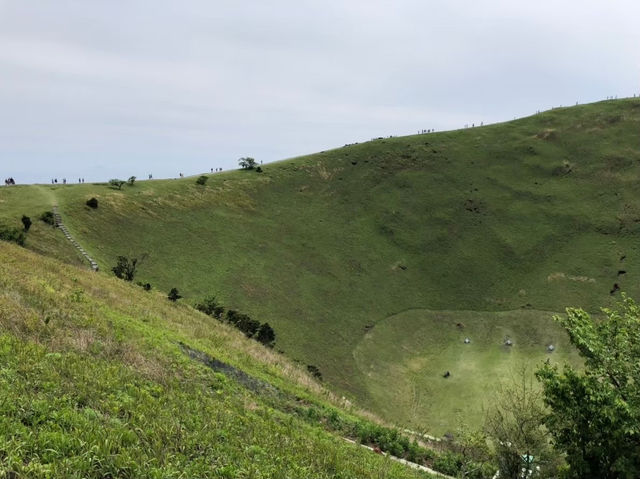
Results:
<point x="595" y="413"/>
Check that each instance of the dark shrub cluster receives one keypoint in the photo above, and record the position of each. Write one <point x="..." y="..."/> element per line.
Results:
<point x="261" y="332"/>
<point x="15" y="235"/>
<point x="174" y="295"/>
<point x="26" y="222"/>
<point x="247" y="163"/>
<point x="116" y="184"/>
<point x="48" y="218"/>
<point x="202" y="180"/>
<point x="126" y="268"/>
<point x="314" y="371"/>
<point x="252" y="328"/>
<point x="211" y="307"/>
<point x="92" y="203"/>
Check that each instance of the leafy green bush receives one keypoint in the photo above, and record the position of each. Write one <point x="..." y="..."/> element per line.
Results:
<point x="15" y="235"/>
<point x="125" y="269"/>
<point x="92" y="203"/>
<point x="202" y="180"/>
<point x="247" y="163"/>
<point x="448" y="463"/>
<point x="266" y="335"/>
<point x="48" y="217"/>
<point x="115" y="183"/>
<point x="211" y="307"/>
<point x="247" y="325"/>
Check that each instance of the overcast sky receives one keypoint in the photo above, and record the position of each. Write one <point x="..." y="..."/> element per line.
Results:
<point x="114" y="88"/>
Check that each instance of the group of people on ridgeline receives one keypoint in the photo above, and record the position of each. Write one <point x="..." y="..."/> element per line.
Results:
<point x="216" y="170"/>
<point x="54" y="181"/>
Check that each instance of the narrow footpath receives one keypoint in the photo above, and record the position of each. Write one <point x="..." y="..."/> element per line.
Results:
<point x="65" y="231"/>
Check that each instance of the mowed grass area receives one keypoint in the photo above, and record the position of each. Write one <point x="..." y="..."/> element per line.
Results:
<point x="539" y="213"/>
<point x="93" y="384"/>
<point x="406" y="356"/>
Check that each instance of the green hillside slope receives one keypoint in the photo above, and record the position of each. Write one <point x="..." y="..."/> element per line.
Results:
<point x="536" y="214"/>
<point x="95" y="383"/>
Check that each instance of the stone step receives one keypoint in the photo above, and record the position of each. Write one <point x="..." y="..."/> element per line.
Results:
<point x="58" y="222"/>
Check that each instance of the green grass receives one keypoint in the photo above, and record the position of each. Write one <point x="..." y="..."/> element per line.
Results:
<point x="93" y="384"/>
<point x="406" y="355"/>
<point x="536" y="213"/>
<point x="32" y="201"/>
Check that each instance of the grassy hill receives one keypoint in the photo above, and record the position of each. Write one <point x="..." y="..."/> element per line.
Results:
<point x="514" y="220"/>
<point x="95" y="382"/>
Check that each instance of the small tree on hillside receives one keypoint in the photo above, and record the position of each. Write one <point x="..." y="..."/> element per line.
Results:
<point x="247" y="163"/>
<point x="131" y="180"/>
<point x="26" y="222"/>
<point x="266" y="335"/>
<point x="232" y="316"/>
<point x="247" y="325"/>
<point x="116" y="183"/>
<point x="174" y="295"/>
<point x="515" y="425"/>
<point x="211" y="307"/>
<point x="126" y="268"/>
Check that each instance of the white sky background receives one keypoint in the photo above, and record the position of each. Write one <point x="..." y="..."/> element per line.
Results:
<point x="114" y="88"/>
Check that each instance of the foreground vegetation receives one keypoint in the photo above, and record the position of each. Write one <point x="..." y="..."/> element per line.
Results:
<point x="94" y="384"/>
<point x="100" y="378"/>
